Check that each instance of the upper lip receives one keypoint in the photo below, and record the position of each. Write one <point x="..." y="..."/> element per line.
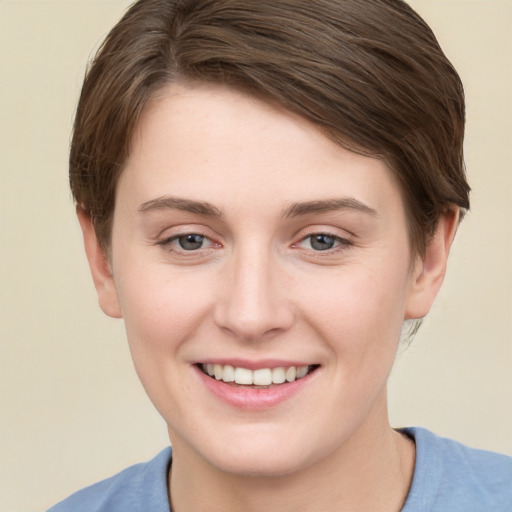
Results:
<point x="256" y="365"/>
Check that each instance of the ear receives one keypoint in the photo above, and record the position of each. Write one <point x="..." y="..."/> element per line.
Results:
<point x="429" y="270"/>
<point x="100" y="267"/>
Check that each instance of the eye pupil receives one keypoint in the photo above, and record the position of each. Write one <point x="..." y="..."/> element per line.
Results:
<point x="191" y="242"/>
<point x="322" y="242"/>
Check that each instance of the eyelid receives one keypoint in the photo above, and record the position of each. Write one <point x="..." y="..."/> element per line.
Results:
<point x="343" y="243"/>
<point x="174" y="238"/>
<point x="167" y="242"/>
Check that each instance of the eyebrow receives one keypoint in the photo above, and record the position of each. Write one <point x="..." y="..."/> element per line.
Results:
<point x="296" y="209"/>
<point x="178" y="203"/>
<point x="326" y="205"/>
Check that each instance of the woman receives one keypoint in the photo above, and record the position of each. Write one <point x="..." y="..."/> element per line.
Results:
<point x="268" y="191"/>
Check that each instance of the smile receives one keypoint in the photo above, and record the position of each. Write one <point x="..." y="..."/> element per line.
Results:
<point x="260" y="377"/>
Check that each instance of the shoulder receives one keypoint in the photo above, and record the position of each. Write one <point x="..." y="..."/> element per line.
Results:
<point x="139" y="487"/>
<point x="453" y="477"/>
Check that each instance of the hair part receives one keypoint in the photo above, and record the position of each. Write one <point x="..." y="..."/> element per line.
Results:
<point x="369" y="73"/>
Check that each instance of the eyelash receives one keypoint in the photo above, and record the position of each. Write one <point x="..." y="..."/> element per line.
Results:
<point x="341" y="244"/>
<point x="167" y="243"/>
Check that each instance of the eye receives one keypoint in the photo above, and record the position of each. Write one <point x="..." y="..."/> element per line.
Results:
<point x="186" y="243"/>
<point x="319" y="242"/>
<point x="190" y="242"/>
<point x="322" y="242"/>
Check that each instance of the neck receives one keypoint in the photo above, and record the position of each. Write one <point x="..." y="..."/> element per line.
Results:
<point x="371" y="471"/>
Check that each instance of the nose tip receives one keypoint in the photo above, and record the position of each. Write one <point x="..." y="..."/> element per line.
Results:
<point x="248" y="330"/>
<point x="254" y="304"/>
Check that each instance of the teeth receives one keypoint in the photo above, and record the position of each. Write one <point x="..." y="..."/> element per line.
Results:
<point x="302" y="371"/>
<point x="228" y="374"/>
<point x="261" y="377"/>
<point x="291" y="374"/>
<point x="278" y="375"/>
<point x="243" y="376"/>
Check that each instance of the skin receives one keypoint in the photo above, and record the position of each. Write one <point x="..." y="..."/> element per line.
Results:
<point x="258" y="290"/>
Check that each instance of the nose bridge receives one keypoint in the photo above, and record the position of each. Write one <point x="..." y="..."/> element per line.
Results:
<point x="254" y="303"/>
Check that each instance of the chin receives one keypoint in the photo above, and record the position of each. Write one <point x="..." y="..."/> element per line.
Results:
<point x="263" y="465"/>
<point x="258" y="454"/>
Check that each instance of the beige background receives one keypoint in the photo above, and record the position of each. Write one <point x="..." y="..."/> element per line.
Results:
<point x="72" y="410"/>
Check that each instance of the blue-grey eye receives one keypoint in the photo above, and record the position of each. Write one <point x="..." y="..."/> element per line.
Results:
<point x="191" y="242"/>
<point x="322" y="242"/>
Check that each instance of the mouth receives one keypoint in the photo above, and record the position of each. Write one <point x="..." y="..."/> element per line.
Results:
<point x="261" y="378"/>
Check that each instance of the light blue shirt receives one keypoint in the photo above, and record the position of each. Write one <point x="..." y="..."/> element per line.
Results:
<point x="448" y="477"/>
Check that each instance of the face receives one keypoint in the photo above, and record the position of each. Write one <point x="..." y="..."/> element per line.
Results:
<point x="247" y="247"/>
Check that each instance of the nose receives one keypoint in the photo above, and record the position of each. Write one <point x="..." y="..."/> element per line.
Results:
<point x="253" y="303"/>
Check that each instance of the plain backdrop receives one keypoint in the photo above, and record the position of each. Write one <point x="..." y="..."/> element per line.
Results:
<point x="72" y="410"/>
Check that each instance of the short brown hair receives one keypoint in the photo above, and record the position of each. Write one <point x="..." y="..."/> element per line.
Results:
<point x="369" y="73"/>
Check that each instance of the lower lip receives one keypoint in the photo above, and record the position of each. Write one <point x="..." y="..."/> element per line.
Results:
<point x="248" y="398"/>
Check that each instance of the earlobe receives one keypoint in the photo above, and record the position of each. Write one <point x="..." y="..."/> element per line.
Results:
<point x="100" y="267"/>
<point x="429" y="270"/>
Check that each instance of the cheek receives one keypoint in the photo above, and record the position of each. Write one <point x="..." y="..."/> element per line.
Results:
<point x="360" y="320"/>
<point x="162" y="312"/>
<point x="357" y="302"/>
<point x="161" y="308"/>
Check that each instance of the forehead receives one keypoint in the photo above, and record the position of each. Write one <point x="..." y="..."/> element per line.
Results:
<point x="214" y="144"/>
